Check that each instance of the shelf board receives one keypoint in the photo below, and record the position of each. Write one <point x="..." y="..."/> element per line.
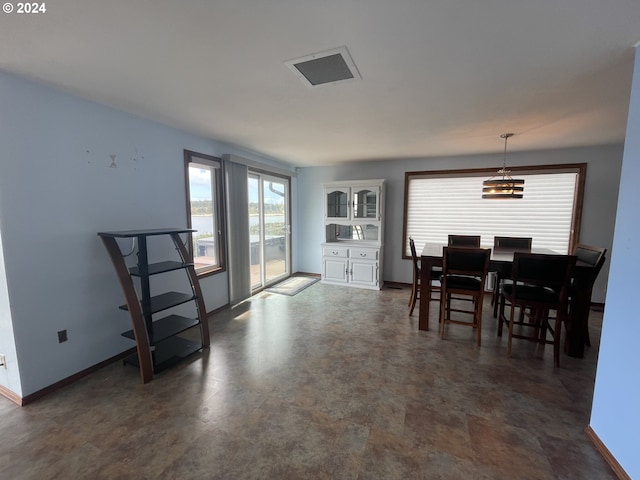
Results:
<point x="160" y="267"/>
<point x="166" y="300"/>
<point x="166" y="327"/>
<point x="168" y="353"/>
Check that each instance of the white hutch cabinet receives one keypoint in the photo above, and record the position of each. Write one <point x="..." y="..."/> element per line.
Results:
<point x="352" y="251"/>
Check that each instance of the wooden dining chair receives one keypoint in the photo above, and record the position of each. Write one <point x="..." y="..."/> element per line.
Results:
<point x="540" y="284"/>
<point x="464" y="272"/>
<point x="434" y="275"/>
<point x="591" y="256"/>
<point x="502" y="275"/>
<point x="472" y="241"/>
<point x="464" y="241"/>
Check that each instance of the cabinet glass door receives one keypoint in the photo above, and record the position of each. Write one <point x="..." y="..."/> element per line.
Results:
<point x="337" y="203"/>
<point x="365" y="203"/>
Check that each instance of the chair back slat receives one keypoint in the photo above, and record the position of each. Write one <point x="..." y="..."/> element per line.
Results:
<point x="412" y="246"/>
<point x="463" y="240"/>
<point x="516" y="243"/>
<point x="414" y="256"/>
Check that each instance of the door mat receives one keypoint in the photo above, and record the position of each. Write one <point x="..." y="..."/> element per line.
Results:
<point x="292" y="285"/>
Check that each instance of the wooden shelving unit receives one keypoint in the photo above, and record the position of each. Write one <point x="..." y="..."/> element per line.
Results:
<point x="158" y="341"/>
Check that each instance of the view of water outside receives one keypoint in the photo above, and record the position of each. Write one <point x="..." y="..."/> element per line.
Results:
<point x="270" y="252"/>
<point x="203" y="224"/>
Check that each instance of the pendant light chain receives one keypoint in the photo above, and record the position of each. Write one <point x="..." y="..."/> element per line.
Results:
<point x="506" y="137"/>
<point x="507" y="187"/>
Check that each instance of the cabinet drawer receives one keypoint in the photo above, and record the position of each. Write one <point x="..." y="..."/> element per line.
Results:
<point x="364" y="253"/>
<point x="341" y="252"/>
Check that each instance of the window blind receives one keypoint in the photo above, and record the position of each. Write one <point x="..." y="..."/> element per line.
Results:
<point x="439" y="205"/>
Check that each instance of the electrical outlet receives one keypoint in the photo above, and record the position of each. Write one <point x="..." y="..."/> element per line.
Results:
<point x="3" y="360"/>
<point x="62" y="336"/>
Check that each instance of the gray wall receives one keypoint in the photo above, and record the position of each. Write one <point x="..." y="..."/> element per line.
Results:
<point x="603" y="175"/>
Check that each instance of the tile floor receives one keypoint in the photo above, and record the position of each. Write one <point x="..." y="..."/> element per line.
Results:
<point x="332" y="383"/>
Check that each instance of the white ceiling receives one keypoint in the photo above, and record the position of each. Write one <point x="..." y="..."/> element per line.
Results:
<point x="439" y="77"/>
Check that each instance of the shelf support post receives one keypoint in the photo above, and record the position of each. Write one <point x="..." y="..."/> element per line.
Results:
<point x="133" y="305"/>
<point x="195" y="285"/>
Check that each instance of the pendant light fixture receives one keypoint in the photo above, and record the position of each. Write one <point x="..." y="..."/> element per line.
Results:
<point x="502" y="185"/>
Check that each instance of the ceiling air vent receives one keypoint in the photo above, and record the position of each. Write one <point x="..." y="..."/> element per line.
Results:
<point x="330" y="67"/>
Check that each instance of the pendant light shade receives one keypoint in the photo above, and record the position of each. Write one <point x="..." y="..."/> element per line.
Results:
<point x="502" y="185"/>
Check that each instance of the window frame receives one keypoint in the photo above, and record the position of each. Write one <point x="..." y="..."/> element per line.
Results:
<point x="191" y="157"/>
<point x="579" y="168"/>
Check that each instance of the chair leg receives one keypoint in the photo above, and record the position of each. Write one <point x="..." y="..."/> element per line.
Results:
<point x="444" y="305"/>
<point x="493" y="293"/>
<point x="413" y="293"/>
<point x="539" y="326"/>
<point x="415" y="289"/>
<point x="478" y="320"/>
<point x="522" y="312"/>
<point x="495" y="298"/>
<point x="412" y="302"/>
<point x="556" y="341"/>
<point x="511" y="318"/>
<point x="501" y="316"/>
<point x="542" y="324"/>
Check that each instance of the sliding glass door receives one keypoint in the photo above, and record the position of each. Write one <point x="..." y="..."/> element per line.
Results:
<point x="269" y="229"/>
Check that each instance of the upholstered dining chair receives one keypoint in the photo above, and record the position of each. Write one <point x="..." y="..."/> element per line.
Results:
<point x="593" y="257"/>
<point x="540" y="283"/>
<point x="464" y="272"/>
<point x="434" y="275"/>
<point x="464" y="241"/>
<point x="501" y="275"/>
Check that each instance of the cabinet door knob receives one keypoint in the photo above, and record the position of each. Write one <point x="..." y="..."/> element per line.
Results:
<point x="363" y="254"/>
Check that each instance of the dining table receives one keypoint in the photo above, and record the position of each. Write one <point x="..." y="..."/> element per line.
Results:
<point x="577" y="332"/>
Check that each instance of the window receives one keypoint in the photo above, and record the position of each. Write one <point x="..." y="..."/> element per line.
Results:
<point x="440" y="203"/>
<point x="205" y="212"/>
